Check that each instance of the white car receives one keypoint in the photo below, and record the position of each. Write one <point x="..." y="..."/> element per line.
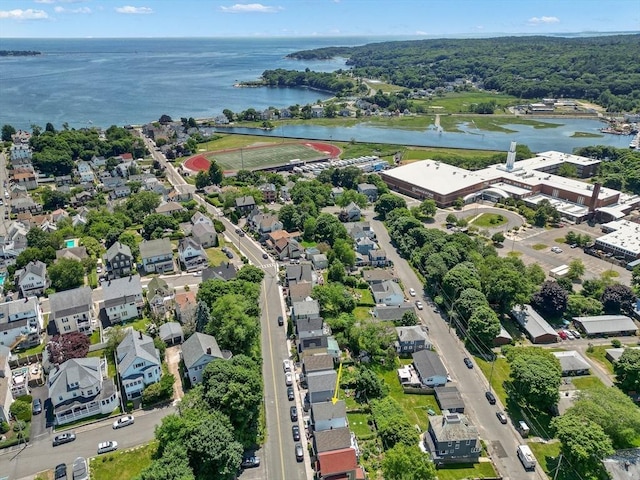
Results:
<point x="288" y="379"/>
<point x="123" y="421"/>
<point x="575" y="333"/>
<point x="419" y="305"/>
<point x="570" y="335"/>
<point x="412" y="292"/>
<point x="556" y="249"/>
<point x="286" y="365"/>
<point x="104" y="447"/>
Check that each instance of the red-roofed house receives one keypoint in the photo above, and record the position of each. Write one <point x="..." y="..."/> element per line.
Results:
<point x="339" y="465"/>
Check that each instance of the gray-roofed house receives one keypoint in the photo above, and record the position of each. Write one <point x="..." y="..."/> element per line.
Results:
<point x="614" y="354"/>
<point x="389" y="313"/>
<point x="225" y="271"/>
<point x="572" y="363"/>
<point x="171" y="333"/>
<point x="157" y="256"/>
<point x="79" y="388"/>
<point x="364" y="245"/>
<point x="197" y="352"/>
<point x="32" y="279"/>
<point x="21" y="323"/>
<point x="139" y="363"/>
<point x="606" y="325"/>
<point x="452" y="438"/>
<point x="118" y="260"/>
<point x="536" y="327"/>
<point x="72" y="253"/>
<point x="387" y="293"/>
<point x="413" y="339"/>
<point x="299" y="292"/>
<point x="305" y="310"/>
<point x="200" y="217"/>
<point x="623" y="464"/>
<point x="245" y="204"/>
<point x="378" y="258"/>
<point x="205" y="234"/>
<point x="72" y="310"/>
<point x="319" y="261"/>
<point x="6" y="398"/>
<point x="328" y="416"/>
<point x="321" y="385"/>
<point x="449" y="398"/>
<point x="430" y="368"/>
<point x="503" y="338"/>
<point x="376" y="275"/>
<point x="317" y="363"/>
<point x="159" y="296"/>
<point x="330" y="440"/>
<point x="369" y="190"/>
<point x="192" y="255"/>
<point x="169" y="208"/>
<point x="301" y="272"/>
<point x="123" y="298"/>
<point x="350" y="213"/>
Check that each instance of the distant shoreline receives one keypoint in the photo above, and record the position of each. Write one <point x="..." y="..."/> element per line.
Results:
<point x="19" y="53"/>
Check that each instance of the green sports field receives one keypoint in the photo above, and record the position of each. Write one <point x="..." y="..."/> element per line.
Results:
<point x="261" y="157"/>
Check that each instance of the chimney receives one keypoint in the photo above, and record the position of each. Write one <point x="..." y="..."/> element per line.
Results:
<point x="208" y="350"/>
<point x="594" y="197"/>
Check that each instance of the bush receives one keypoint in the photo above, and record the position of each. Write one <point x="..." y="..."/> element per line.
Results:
<point x="21" y="410"/>
<point x="25" y="398"/>
<point x="350" y="281"/>
<point x="4" y="427"/>
<point x="159" y="392"/>
<point x="615" y="343"/>
<point x="19" y="425"/>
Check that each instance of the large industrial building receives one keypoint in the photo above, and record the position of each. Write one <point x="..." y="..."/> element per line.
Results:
<point x="531" y="180"/>
<point x="622" y="239"/>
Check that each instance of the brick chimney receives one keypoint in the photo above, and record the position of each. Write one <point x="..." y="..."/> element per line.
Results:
<point x="594" y="197"/>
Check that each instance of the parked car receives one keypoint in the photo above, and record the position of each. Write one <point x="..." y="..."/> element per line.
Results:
<point x="104" y="447"/>
<point x="229" y="254"/>
<point x="250" y="462"/>
<point x="241" y="234"/>
<point x="123" y="421"/>
<point x="575" y="333"/>
<point x="412" y="292"/>
<point x="556" y="249"/>
<point x="562" y="334"/>
<point x="286" y="365"/>
<point x="290" y="394"/>
<point x="419" y="305"/>
<point x="502" y="417"/>
<point x="265" y="256"/>
<point x="299" y="452"/>
<point x="293" y="413"/>
<point x="238" y="231"/>
<point x="63" y="438"/>
<point x="569" y="335"/>
<point x="60" y="472"/>
<point x="490" y="397"/>
<point x="37" y="406"/>
<point x="280" y="320"/>
<point x="295" y="432"/>
<point x="467" y="361"/>
<point x="288" y="379"/>
<point x="80" y="470"/>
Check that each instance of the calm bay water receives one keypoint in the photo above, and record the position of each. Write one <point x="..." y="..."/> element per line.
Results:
<point x="132" y="81"/>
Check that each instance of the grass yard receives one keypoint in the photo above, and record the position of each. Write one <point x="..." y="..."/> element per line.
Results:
<point x="466" y="470"/>
<point x="123" y="465"/>
<point x="489" y="220"/>
<point x="362" y="313"/>
<point x="447" y="155"/>
<point x="215" y="256"/>
<point x="111" y="367"/>
<point x="95" y="337"/>
<point x="358" y="423"/>
<point x="598" y="353"/>
<point x="385" y="87"/>
<point x="32" y="351"/>
<point x="364" y="297"/>
<point x="585" y="383"/>
<point x="539" y="246"/>
<point x="548" y="456"/>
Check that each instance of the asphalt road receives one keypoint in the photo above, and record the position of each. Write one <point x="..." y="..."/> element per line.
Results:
<point x="4" y="224"/>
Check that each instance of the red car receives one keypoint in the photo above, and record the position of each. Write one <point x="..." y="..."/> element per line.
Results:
<point x="563" y="335"/>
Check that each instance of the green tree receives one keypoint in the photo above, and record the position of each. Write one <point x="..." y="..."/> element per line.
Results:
<point x="407" y="462"/>
<point x="388" y="202"/>
<point x="451" y="219"/>
<point x="498" y="238"/>
<point x="53" y="199"/>
<point x="7" y="132"/>
<point x="202" y="180"/>
<point x="21" y="410"/>
<point x="428" y="208"/>
<point x="484" y="326"/>
<point x="551" y="299"/>
<point x="576" y="269"/>
<point x="66" y="274"/>
<point x="368" y="385"/>
<point x="202" y="316"/>
<point x="114" y="335"/>
<point x="215" y="173"/>
<point x="372" y="336"/>
<point x="328" y="229"/>
<point x="409" y="319"/>
<point x="234" y="322"/>
<point x="333" y="299"/>
<point x="579" y="306"/>
<point x="469" y="300"/>
<point x="250" y="273"/>
<point x="352" y="196"/>
<point x="568" y="170"/>
<point x="343" y="251"/>
<point x="535" y="377"/>
<point x="155" y="225"/>
<point x="617" y="298"/>
<point x="141" y="204"/>
<point x="336" y="272"/>
<point x="627" y="370"/>
<point x="172" y="465"/>
<point x="392" y="423"/>
<point x="459" y="278"/>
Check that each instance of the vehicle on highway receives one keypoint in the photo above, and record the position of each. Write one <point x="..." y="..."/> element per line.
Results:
<point x="575" y="333"/>
<point x="60" y="472"/>
<point x="241" y="234"/>
<point x="556" y="249"/>
<point x="280" y="320"/>
<point x="490" y="397"/>
<point x="250" y="462"/>
<point x="293" y="413"/>
<point x="123" y="421"/>
<point x="37" y="406"/>
<point x="419" y="305"/>
<point x="502" y="417"/>
<point x="238" y="231"/>
<point x="299" y="452"/>
<point x="265" y="256"/>
<point x="63" y="438"/>
<point x="104" y="447"/>
<point x="295" y="432"/>
<point x="290" y="394"/>
<point x="562" y="334"/>
<point x="412" y="292"/>
<point x="467" y="361"/>
<point x="79" y="469"/>
<point x="288" y="379"/>
<point x="286" y="365"/>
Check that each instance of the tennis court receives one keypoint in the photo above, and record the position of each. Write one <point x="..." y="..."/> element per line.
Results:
<point x="251" y="158"/>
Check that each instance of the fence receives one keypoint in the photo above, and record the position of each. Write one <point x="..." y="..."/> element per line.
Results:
<point x="28" y="360"/>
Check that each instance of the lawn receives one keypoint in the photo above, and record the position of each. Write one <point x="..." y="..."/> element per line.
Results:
<point x="215" y="256"/>
<point x="598" y="353"/>
<point x="123" y="465"/>
<point x="95" y="337"/>
<point x="539" y="246"/>
<point x="364" y="297"/>
<point x="459" y="102"/>
<point x="385" y="87"/>
<point x="362" y="313"/>
<point x="466" y="470"/>
<point x="500" y="375"/>
<point x="358" y="423"/>
<point x="111" y="366"/>
<point x="585" y="383"/>
<point x="31" y="351"/>
<point x="490" y="220"/>
<point x="547" y="455"/>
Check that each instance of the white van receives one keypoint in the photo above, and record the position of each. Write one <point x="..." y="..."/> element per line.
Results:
<point x="526" y="457"/>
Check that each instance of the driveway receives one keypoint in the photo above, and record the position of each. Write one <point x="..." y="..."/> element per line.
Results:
<point x="172" y="356"/>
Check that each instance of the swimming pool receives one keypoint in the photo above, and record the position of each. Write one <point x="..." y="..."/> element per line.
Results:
<point x="3" y="275"/>
<point x="72" y="242"/>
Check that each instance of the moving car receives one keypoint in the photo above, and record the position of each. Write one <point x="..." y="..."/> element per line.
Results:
<point x="419" y="305"/>
<point x="37" y="406"/>
<point x="299" y="452"/>
<point x="293" y="412"/>
<point x="502" y="417"/>
<point x="250" y="462"/>
<point x="238" y="231"/>
<point x="60" y="472"/>
<point x="490" y="397"/>
<point x="467" y="361"/>
<point x="63" y="438"/>
<point x="104" y="447"/>
<point x="280" y="320"/>
<point x="295" y="432"/>
<point x="123" y="421"/>
<point x="288" y="379"/>
<point x="290" y="394"/>
<point x="80" y="470"/>
<point x="412" y="292"/>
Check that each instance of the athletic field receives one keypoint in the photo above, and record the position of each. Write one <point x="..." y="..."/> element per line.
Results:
<point x="272" y="155"/>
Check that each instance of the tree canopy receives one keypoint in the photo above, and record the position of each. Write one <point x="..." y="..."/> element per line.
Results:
<point x="535" y="377"/>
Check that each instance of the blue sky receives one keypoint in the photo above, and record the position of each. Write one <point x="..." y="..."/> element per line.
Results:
<point x="270" y="18"/>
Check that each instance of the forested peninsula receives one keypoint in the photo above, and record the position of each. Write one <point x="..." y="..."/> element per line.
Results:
<point x="19" y="53"/>
<point x="601" y="69"/>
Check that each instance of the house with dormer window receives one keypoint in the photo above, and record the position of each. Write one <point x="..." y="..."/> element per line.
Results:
<point x="139" y="363"/>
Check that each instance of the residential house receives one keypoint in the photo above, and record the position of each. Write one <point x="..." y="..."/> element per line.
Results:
<point x="200" y="217"/>
<point x="72" y="310"/>
<point x="364" y="245"/>
<point x="321" y="386"/>
<point x="449" y="398"/>
<point x="245" y="204"/>
<point x="20" y="153"/>
<point x="63" y="180"/>
<point x="118" y="261"/>
<point x="123" y="298"/>
<point x="336" y="193"/>
<point x="79" y="388"/>
<point x="121" y="191"/>
<point x="185" y="304"/>
<point x="85" y="172"/>
<point x="298" y="273"/>
<point x="157" y="256"/>
<point x="350" y="213"/>
<point x="378" y="258"/>
<point x="171" y="333"/>
<point x="32" y="279"/>
<point x="339" y="465"/>
<point x="376" y="276"/>
<point x="358" y="230"/>
<point x="191" y="255"/>
<point x="305" y="310"/>
<point x="413" y="339"/>
<point x="169" y="208"/>
<point x="6" y="397"/>
<point x="269" y="192"/>
<point x="316" y="363"/>
<point x="452" y="438"/>
<point x="263" y="223"/>
<point x="387" y="293"/>
<point x="287" y="248"/>
<point x="328" y="416"/>
<point x="369" y="190"/>
<point x="285" y="191"/>
<point x="80" y="199"/>
<point x="299" y="292"/>
<point x="319" y="261"/>
<point x="330" y="440"/>
<point x="572" y="363"/>
<point x="21" y="323"/>
<point x="317" y="111"/>
<point x="159" y="296"/>
<point x="197" y="352"/>
<point x="205" y="234"/>
<point x="225" y="271"/>
<point x="25" y="177"/>
<point x="139" y="363"/>
<point x="77" y="254"/>
<point x="24" y="204"/>
<point x="430" y="369"/>
<point x="127" y="166"/>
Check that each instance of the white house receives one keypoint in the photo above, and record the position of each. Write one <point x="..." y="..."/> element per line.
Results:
<point x="72" y="310"/>
<point x="388" y="293"/>
<point x="191" y="254"/>
<point x="6" y="398"/>
<point x="123" y="298"/>
<point x="139" y="363"/>
<point x="200" y="217"/>
<point x="197" y="352"/>
<point x="79" y="388"/>
<point x="157" y="256"/>
<point x="205" y="234"/>
<point x="21" y="322"/>
<point x="85" y="172"/>
<point x="32" y="279"/>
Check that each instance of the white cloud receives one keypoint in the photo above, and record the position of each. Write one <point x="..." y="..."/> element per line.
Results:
<point x="250" y="8"/>
<point x="72" y="10"/>
<point x="543" y="20"/>
<point x="128" y="9"/>
<point x="28" y="14"/>
<point x="45" y="1"/>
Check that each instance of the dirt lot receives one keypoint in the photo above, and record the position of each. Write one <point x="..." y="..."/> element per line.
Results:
<point x="172" y="356"/>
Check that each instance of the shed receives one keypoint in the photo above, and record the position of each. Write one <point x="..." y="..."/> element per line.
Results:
<point x="606" y="325"/>
<point x="503" y="338"/>
<point x="536" y="327"/>
<point x="171" y="333"/>
<point x="449" y="398"/>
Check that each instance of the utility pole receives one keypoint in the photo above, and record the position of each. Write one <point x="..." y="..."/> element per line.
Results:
<point x="493" y="364"/>
<point x="558" y="468"/>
